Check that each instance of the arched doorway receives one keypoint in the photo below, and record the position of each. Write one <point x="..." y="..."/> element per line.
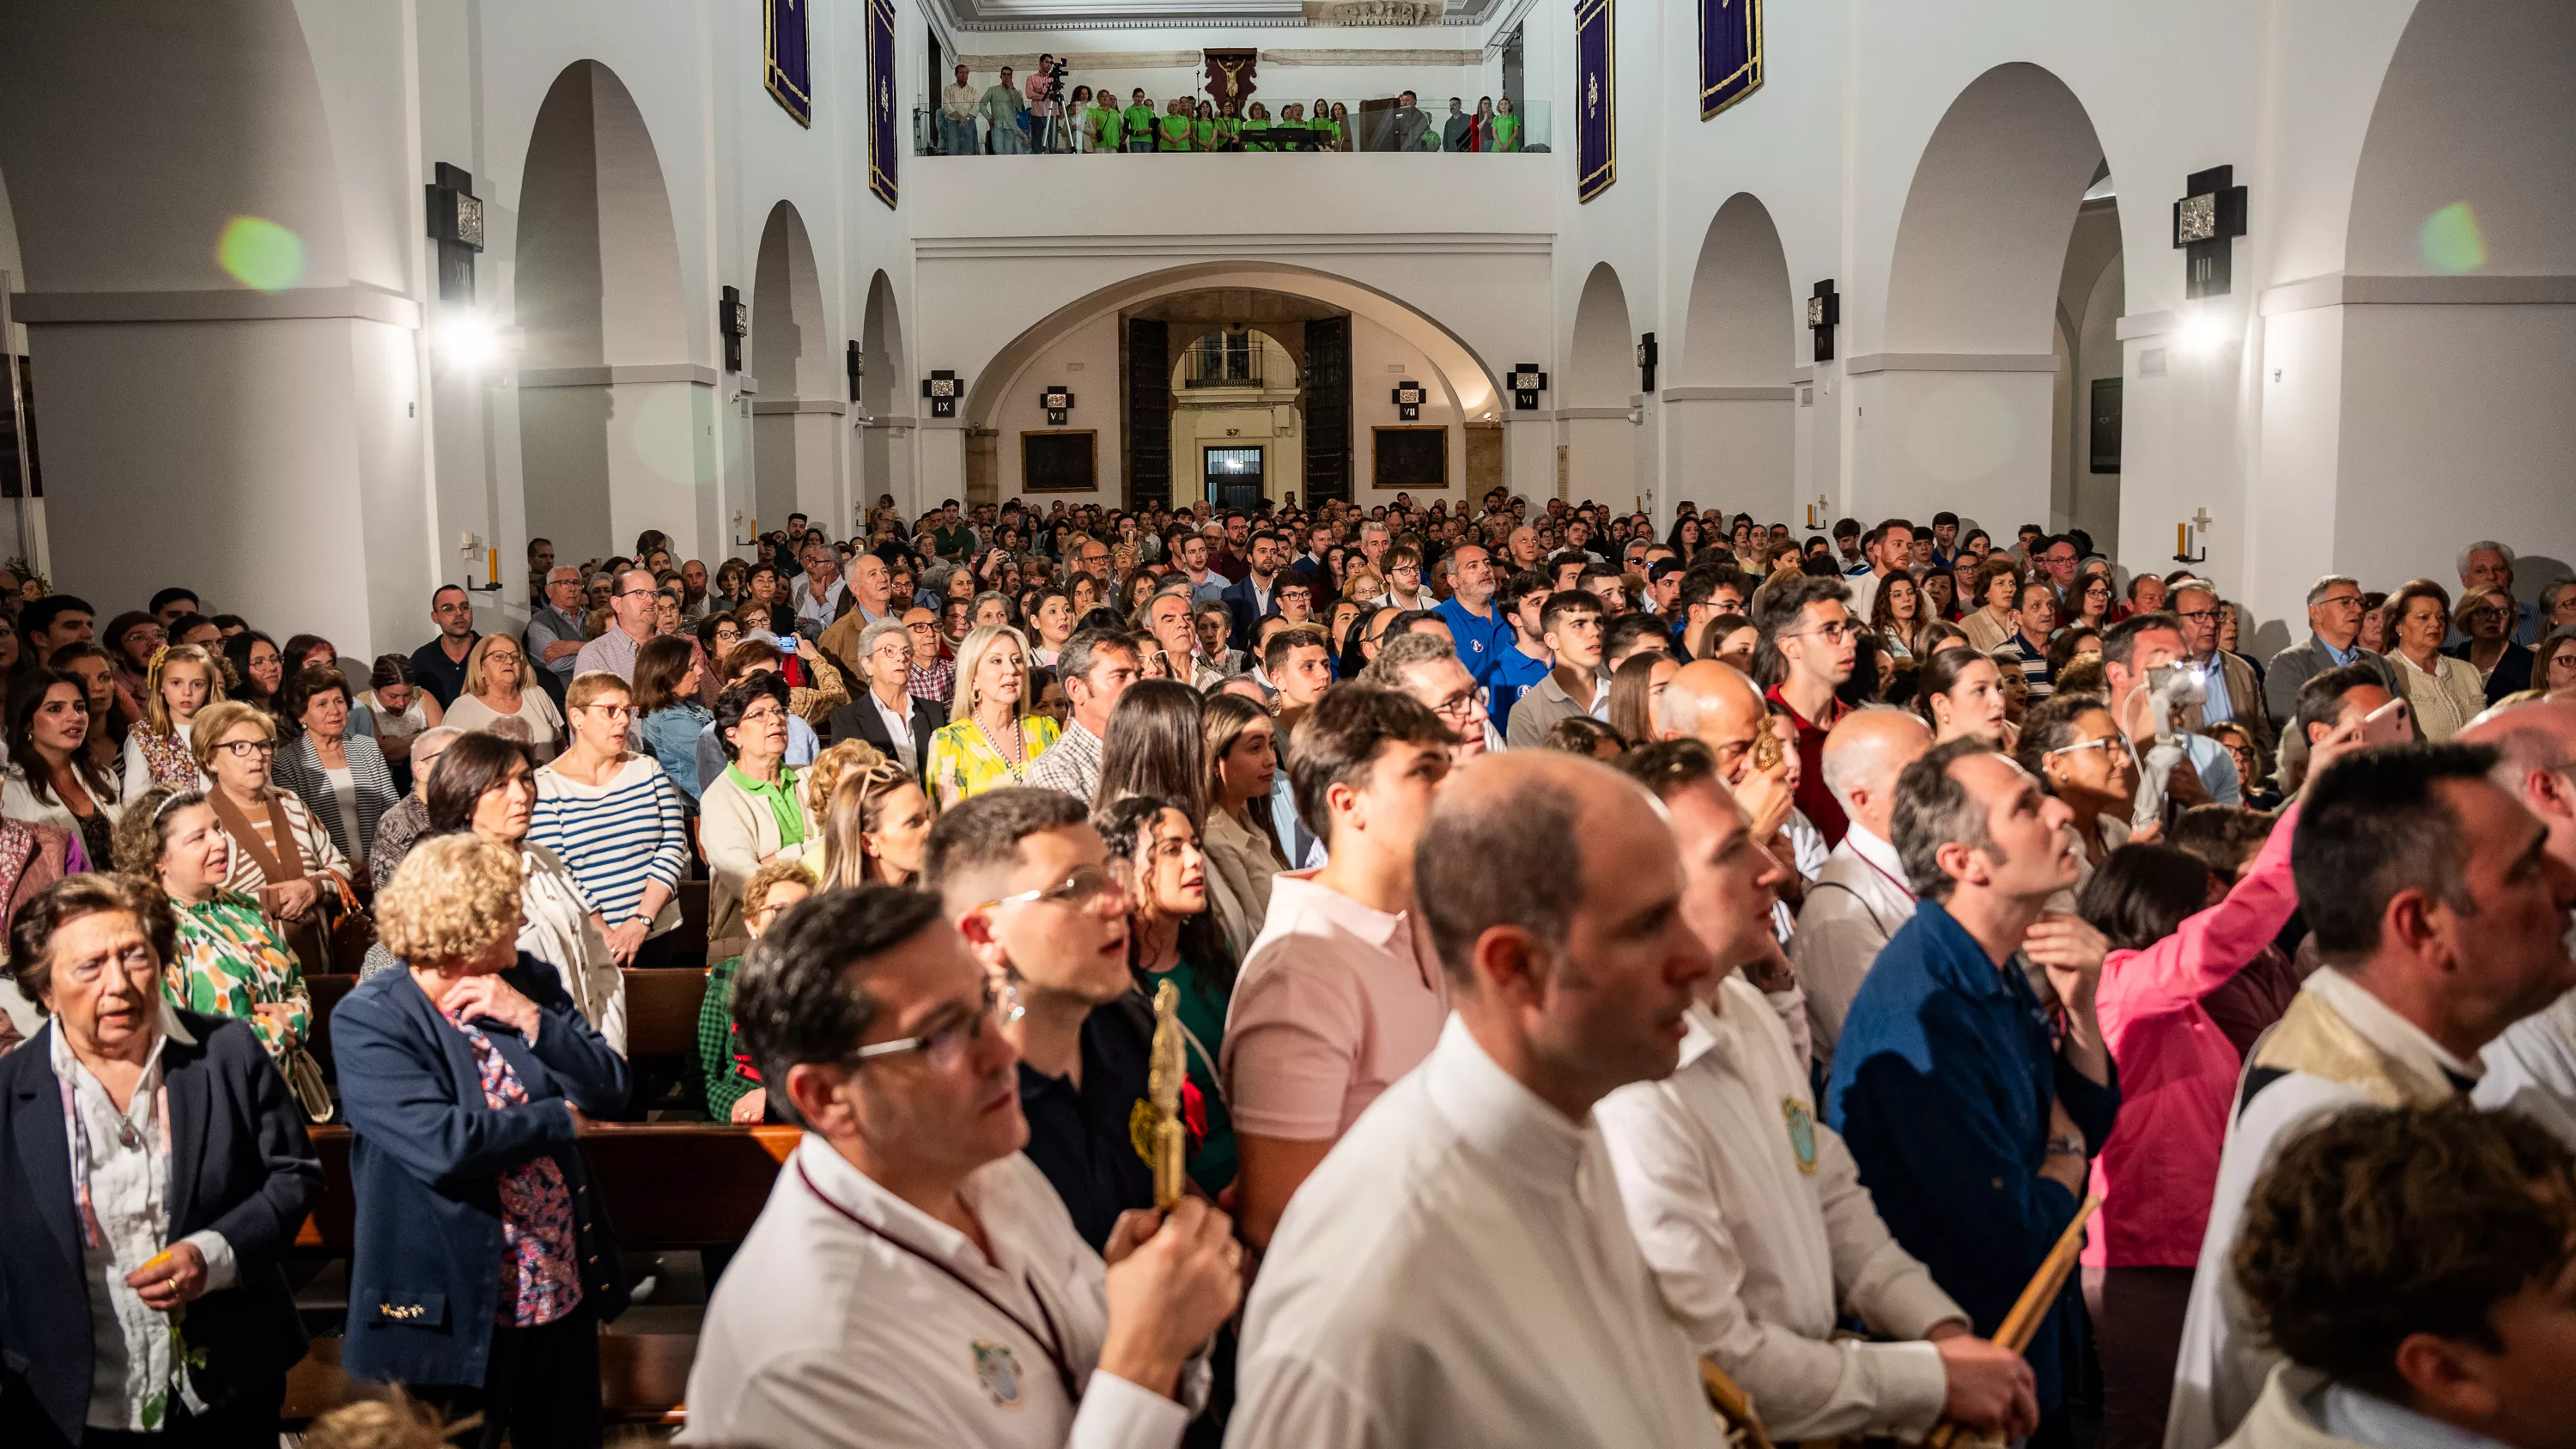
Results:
<point x="1732" y="406"/>
<point x="1347" y="347"/>
<point x="884" y="451"/>
<point x="796" y="432"/>
<point x="2454" y="341"/>
<point x="612" y="415"/>
<point x="1965" y="407"/>
<point x="1600" y="448"/>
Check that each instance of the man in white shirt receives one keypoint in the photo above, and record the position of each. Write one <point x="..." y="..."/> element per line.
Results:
<point x="1752" y="1212"/>
<point x="1459" y="1271"/>
<point x="2442" y="917"/>
<point x="820" y="599"/>
<point x="1860" y="897"/>
<point x="1890" y="548"/>
<point x="2532" y="1067"/>
<point x="913" y="1281"/>
<point x="957" y="117"/>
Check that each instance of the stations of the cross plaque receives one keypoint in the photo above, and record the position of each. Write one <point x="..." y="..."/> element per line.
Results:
<point x="456" y="224"/>
<point x="2206" y="224"/>
<point x="942" y="388"/>
<point x="1408" y="400"/>
<point x="1527" y="383"/>
<point x="1058" y="403"/>
<point x="1824" y="313"/>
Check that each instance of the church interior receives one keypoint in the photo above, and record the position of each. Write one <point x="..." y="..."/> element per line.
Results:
<point x="323" y="308"/>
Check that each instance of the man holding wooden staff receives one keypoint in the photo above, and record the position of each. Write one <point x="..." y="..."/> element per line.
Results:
<point x="1972" y="1110"/>
<point x="1751" y="1211"/>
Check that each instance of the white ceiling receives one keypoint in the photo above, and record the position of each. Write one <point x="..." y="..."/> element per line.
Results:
<point x="1041" y="15"/>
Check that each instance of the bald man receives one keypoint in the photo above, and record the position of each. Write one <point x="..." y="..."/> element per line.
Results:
<point x="1717" y="705"/>
<point x="1535" y="1303"/>
<point x="1860" y="897"/>
<point x="2533" y="1065"/>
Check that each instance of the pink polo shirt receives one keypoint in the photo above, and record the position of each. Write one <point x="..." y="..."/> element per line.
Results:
<point x="1331" y="1007"/>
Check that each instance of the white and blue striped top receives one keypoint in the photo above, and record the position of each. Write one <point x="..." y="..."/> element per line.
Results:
<point x="618" y="838"/>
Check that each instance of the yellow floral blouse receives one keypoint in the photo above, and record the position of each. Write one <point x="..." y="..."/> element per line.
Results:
<point x="964" y="763"/>
<point x="232" y="958"/>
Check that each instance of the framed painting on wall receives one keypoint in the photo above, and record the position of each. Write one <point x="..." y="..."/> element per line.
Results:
<point x="1060" y="462"/>
<point x="1409" y="458"/>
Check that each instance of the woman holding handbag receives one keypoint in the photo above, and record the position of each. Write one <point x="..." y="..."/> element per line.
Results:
<point x="232" y="958"/>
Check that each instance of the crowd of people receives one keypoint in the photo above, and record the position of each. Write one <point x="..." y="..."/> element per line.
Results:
<point x="1621" y="968"/>
<point x="1046" y="111"/>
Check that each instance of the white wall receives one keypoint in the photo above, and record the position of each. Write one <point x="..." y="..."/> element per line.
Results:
<point x="1085" y="361"/>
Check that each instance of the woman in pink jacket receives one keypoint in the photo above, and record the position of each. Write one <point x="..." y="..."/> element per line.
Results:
<point x="2187" y="987"/>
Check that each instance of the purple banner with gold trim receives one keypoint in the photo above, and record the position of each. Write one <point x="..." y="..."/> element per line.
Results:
<point x="1596" y="102"/>
<point x="885" y="134"/>
<point x="1730" y="53"/>
<point x="786" y="72"/>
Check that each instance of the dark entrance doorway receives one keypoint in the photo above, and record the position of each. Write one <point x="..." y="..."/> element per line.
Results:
<point x="1234" y="477"/>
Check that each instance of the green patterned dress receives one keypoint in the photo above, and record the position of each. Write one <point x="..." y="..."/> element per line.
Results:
<point x="231" y="958"/>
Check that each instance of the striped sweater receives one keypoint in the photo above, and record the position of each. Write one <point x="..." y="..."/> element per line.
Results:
<point x="618" y="838"/>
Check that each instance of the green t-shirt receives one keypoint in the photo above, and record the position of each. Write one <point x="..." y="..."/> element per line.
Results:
<point x="1202" y="1008"/>
<point x="1253" y="142"/>
<point x="1139" y="123"/>
<point x="1175" y="132"/>
<point x="1105" y="120"/>
<point x="1203" y="134"/>
<point x="1506" y="130"/>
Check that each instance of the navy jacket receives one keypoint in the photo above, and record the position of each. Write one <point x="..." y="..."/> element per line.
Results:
<point x="1247" y="610"/>
<point x="1941" y="1084"/>
<point x="239" y="1164"/>
<point x="425" y="1156"/>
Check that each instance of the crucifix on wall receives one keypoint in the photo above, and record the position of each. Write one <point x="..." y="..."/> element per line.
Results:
<point x="1648" y="354"/>
<point x="1408" y="400"/>
<point x="456" y="224"/>
<point x="2206" y="224"/>
<point x="1527" y="383"/>
<point x="1824" y="311"/>
<point x="943" y="388"/>
<point x="1058" y="403"/>
<point x="1229" y="79"/>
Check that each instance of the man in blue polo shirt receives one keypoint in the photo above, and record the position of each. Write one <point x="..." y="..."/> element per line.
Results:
<point x="1525" y="660"/>
<point x="1481" y="631"/>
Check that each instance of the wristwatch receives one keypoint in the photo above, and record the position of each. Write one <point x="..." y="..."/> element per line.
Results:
<point x="2066" y="1147"/>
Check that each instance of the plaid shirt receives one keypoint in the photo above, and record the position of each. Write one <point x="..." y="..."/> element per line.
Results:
<point x="1071" y="764"/>
<point x="935" y="683"/>
<point x="722" y="1081"/>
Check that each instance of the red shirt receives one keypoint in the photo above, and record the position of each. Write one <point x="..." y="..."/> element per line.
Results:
<point x="1814" y="800"/>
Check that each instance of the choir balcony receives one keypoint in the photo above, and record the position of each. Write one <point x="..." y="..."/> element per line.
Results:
<point x="1352" y="126"/>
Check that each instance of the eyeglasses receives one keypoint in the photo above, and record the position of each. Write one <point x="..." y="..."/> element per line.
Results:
<point x="249" y="749"/>
<point x="1087" y="884"/>
<point x="2104" y="743"/>
<point x="610" y="711"/>
<point x="946" y="1046"/>
<point x="1835" y="633"/>
<point x="633" y="593"/>
<point x="1460" y="708"/>
<point x="2195" y="613"/>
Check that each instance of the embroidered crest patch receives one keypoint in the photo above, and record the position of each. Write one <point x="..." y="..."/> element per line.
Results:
<point x="1802" y="1132"/>
<point x="998" y="1370"/>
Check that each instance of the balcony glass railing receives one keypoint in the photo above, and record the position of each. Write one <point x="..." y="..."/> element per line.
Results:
<point x="1370" y="125"/>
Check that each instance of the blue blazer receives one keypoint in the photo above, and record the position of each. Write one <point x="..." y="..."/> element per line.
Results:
<point x="1941" y="1085"/>
<point x="425" y="1155"/>
<point x="1241" y="602"/>
<point x="239" y="1164"/>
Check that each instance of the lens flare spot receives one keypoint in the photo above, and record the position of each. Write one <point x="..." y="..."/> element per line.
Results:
<point x="2452" y="241"/>
<point x="260" y="254"/>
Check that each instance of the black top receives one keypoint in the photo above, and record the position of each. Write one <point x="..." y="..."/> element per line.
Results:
<point x="1086" y="1139"/>
<point x="442" y="677"/>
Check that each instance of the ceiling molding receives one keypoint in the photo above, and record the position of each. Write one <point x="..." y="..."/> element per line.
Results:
<point x="1951" y="362"/>
<point x="2341" y="289"/>
<point x="1372" y="57"/>
<point x="357" y="301"/>
<point x="1169" y="249"/>
<point x="1041" y="17"/>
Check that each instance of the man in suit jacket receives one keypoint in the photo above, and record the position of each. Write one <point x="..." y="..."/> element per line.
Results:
<point x="883" y="711"/>
<point x="2334" y="640"/>
<point x="1255" y="596"/>
<point x="240" y="1178"/>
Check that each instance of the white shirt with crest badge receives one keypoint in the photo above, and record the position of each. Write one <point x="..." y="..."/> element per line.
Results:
<point x="824" y="1332"/>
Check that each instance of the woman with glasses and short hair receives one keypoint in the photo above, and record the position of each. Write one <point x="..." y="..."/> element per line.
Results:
<point x="2487" y="617"/>
<point x="751" y="813"/>
<point x="2076" y="750"/>
<point x="616" y="820"/>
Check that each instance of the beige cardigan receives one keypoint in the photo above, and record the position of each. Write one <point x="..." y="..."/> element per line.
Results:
<point x="736" y="832"/>
<point x="319" y="853"/>
<point x="1240" y="867"/>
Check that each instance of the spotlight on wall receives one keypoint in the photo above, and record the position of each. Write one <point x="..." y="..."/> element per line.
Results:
<point x="2204" y="331"/>
<point x="467" y="339"/>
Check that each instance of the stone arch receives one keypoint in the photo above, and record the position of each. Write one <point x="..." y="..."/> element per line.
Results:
<point x="1959" y="408"/>
<point x="611" y="412"/>
<point x="796" y="413"/>
<point x="883" y="444"/>
<point x="1600" y="440"/>
<point x="1732" y="410"/>
<point x="2457" y="336"/>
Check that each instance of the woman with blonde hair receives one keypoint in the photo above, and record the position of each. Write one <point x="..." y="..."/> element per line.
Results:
<point x="182" y="680"/>
<point x="991" y="738"/>
<point x="876" y="828"/>
<point x="499" y="695"/>
<point x="1240" y="748"/>
<point x="467" y="1074"/>
<point x="820" y="783"/>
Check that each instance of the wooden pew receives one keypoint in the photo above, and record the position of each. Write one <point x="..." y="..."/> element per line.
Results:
<point x="666" y="1185"/>
<point x="661" y="1014"/>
